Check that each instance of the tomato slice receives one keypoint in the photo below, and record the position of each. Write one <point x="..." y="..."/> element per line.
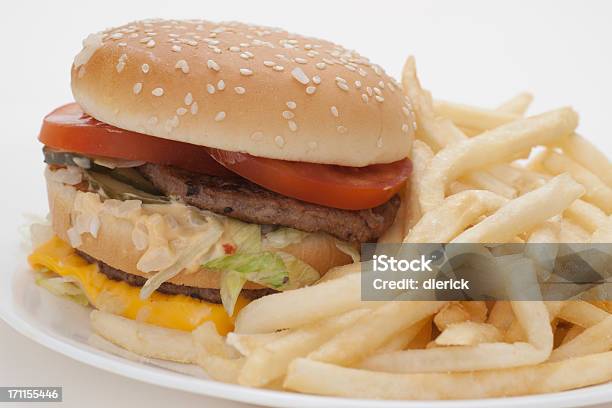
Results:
<point x="69" y="128"/>
<point x="353" y="188"/>
<point x="350" y="188"/>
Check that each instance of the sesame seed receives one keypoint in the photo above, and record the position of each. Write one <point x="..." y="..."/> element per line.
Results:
<point x="244" y="56"/>
<point x="292" y="125"/>
<point x="194" y="108"/>
<point x="188" y="99"/>
<point x="145" y="40"/>
<point x="379" y="142"/>
<point x="340" y="79"/>
<point x="221" y="85"/>
<point x="405" y="128"/>
<point x="342" y="85"/>
<point x="316" y="79"/>
<point x="328" y="61"/>
<point x="334" y="111"/>
<point x="300" y="60"/>
<point x="350" y="67"/>
<point x="213" y="65"/>
<point x="278" y="68"/>
<point x="320" y="65"/>
<point x="358" y="84"/>
<point x="176" y="48"/>
<point x="406" y="111"/>
<point x="280" y="142"/>
<point x="269" y="63"/>
<point x="181" y="111"/>
<point x="377" y="91"/>
<point x="341" y="129"/>
<point x="122" y="44"/>
<point x="381" y="84"/>
<point x="300" y="76"/>
<point x="182" y="65"/>
<point x="291" y="105"/>
<point x="379" y="98"/>
<point x="157" y="92"/>
<point x="151" y="43"/>
<point x="245" y="71"/>
<point x="365" y="98"/>
<point x="257" y="135"/>
<point x="239" y="90"/>
<point x="210" y="88"/>
<point x="116" y="36"/>
<point x="137" y="87"/>
<point x="311" y="89"/>
<point x="219" y="116"/>
<point x="288" y="115"/>
<point x="120" y="65"/>
<point x="233" y="48"/>
<point x="145" y="68"/>
<point x="362" y="72"/>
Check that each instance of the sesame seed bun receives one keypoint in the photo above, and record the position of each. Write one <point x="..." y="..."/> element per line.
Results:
<point x="245" y="88"/>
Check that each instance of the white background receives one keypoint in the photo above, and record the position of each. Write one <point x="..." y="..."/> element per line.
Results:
<point x="478" y="52"/>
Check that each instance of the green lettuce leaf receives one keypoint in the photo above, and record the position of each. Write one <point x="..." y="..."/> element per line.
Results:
<point x="246" y="237"/>
<point x="61" y="287"/>
<point x="283" y="237"/>
<point x="348" y="249"/>
<point x="300" y="273"/>
<point x="265" y="268"/>
<point x="230" y="288"/>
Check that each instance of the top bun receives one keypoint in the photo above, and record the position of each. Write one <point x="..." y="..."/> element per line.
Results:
<point x="239" y="87"/>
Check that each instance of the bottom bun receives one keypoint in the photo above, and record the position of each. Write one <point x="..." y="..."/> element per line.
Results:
<point x="113" y="244"/>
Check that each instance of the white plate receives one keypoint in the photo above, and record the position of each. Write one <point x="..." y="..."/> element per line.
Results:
<point x="64" y="327"/>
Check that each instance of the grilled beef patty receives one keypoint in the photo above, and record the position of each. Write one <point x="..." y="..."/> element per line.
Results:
<point x="205" y="294"/>
<point x="246" y="201"/>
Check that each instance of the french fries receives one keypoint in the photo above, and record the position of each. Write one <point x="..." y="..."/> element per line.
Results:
<point x="455" y="214"/>
<point x="421" y="157"/>
<point x="534" y="320"/>
<point x="145" y="339"/>
<point x="517" y="105"/>
<point x="373" y="330"/>
<point x="328" y="379"/>
<point x="467" y="186"/>
<point x="596" y="191"/>
<point x="472" y="117"/>
<point x="298" y="307"/>
<point x="501" y="144"/>
<point x="525" y="212"/>
<point x="595" y="339"/>
<point x="468" y="334"/>
<point x="270" y="361"/>
<point x="588" y="156"/>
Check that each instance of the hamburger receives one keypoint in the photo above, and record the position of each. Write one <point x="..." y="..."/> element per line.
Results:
<point x="203" y="165"/>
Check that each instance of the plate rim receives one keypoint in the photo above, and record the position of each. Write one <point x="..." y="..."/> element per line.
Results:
<point x="592" y="395"/>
